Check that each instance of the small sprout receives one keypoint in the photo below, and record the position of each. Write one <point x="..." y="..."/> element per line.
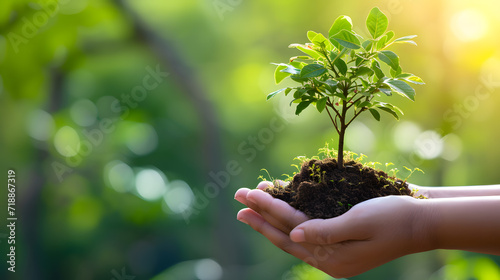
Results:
<point x="387" y="166"/>
<point x="269" y="177"/>
<point x="340" y="203"/>
<point x="411" y="172"/>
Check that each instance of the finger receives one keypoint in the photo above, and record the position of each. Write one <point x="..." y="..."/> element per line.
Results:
<point x="264" y="185"/>
<point x="276" y="236"/>
<point x="276" y="211"/>
<point x="329" y="231"/>
<point x="241" y="195"/>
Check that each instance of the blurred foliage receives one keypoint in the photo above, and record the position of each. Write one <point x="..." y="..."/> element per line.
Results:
<point x="121" y="171"/>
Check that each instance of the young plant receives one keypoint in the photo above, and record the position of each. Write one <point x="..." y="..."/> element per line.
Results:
<point x="343" y="74"/>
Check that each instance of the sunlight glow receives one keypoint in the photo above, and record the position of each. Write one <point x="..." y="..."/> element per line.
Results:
<point x="469" y="25"/>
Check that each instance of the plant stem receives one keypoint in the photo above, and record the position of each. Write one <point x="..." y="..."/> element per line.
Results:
<point x="343" y="126"/>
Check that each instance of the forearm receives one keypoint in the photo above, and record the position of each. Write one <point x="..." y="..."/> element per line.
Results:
<point x="468" y="223"/>
<point x="449" y="192"/>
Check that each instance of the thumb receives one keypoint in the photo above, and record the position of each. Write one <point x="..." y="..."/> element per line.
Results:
<point x="322" y="232"/>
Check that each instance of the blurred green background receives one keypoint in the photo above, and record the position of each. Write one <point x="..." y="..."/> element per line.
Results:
<point x="130" y="125"/>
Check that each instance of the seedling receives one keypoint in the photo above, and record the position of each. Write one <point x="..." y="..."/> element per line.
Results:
<point x="344" y="74"/>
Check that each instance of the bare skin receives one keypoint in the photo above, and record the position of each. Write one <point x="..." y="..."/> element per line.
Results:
<point x="379" y="230"/>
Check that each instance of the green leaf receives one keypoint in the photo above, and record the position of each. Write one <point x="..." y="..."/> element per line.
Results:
<point x="302" y="106"/>
<point x="341" y="66"/>
<point x="375" y="114"/>
<point x="331" y="85"/>
<point x="305" y="49"/>
<point x="364" y="104"/>
<point x="377" y="70"/>
<point x="376" y="23"/>
<point x="390" y="58"/>
<point x="402" y="88"/>
<point x="320" y="40"/>
<point x="312" y="70"/>
<point x="390" y="111"/>
<point x="365" y="83"/>
<point x="287" y="68"/>
<point x="272" y="94"/>
<point x="311" y="35"/>
<point x="347" y="39"/>
<point x="386" y="90"/>
<point x="406" y="39"/>
<point x="411" y="78"/>
<point x="367" y="45"/>
<point x="395" y="73"/>
<point x="321" y="104"/>
<point x="364" y="71"/>
<point x="299" y="93"/>
<point x="341" y="23"/>
<point x="390" y="35"/>
<point x="287" y="91"/>
<point x="298" y="78"/>
<point x="279" y="75"/>
<point x="382" y="42"/>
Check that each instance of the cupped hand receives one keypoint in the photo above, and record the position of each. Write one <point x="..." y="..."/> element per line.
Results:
<point x="368" y="235"/>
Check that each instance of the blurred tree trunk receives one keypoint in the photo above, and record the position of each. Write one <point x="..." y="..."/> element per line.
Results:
<point x="229" y="248"/>
<point x="31" y="203"/>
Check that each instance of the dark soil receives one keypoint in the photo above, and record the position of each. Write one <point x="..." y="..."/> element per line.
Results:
<point x="322" y="190"/>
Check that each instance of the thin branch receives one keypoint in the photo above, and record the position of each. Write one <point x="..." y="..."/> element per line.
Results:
<point x="354" y="102"/>
<point x="333" y="107"/>
<point x="330" y="62"/>
<point x="355" y="116"/>
<point x="333" y="121"/>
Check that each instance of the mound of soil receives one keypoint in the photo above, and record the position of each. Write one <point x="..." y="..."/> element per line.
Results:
<point x="322" y="190"/>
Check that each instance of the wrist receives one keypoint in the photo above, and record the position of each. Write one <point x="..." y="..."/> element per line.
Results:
<point x="423" y="226"/>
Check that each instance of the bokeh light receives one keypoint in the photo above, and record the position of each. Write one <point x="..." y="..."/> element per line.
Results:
<point x="67" y="141"/>
<point x="141" y="138"/>
<point x="150" y="184"/>
<point x="208" y="269"/>
<point x="360" y="138"/>
<point x="179" y="197"/>
<point x="429" y="144"/>
<point x="40" y="125"/>
<point x="119" y="176"/>
<point x="84" y="112"/>
<point x="404" y="135"/>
